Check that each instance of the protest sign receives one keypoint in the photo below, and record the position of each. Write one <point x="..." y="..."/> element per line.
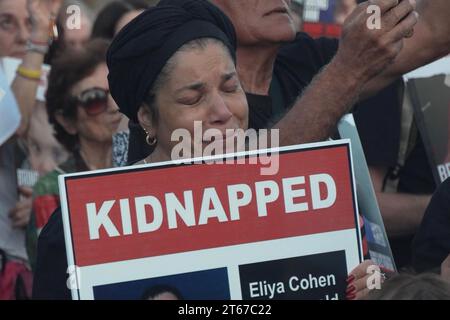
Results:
<point x="376" y="236"/>
<point x="216" y="231"/>
<point x="429" y="94"/>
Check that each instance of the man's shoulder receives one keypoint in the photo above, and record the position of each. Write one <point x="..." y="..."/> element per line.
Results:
<point x="53" y="232"/>
<point x="305" y="56"/>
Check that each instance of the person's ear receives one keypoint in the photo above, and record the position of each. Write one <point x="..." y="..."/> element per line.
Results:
<point x="67" y="124"/>
<point x="146" y="120"/>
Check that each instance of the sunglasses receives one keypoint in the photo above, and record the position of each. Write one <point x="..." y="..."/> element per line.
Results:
<point x="94" y="100"/>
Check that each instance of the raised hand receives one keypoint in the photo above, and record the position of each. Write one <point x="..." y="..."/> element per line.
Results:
<point x="20" y="214"/>
<point x="43" y="14"/>
<point x="366" y="50"/>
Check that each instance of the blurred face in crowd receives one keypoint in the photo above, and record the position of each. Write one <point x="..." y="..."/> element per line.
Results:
<point x="76" y="38"/>
<point x="45" y="153"/>
<point x="202" y="85"/>
<point x="125" y="19"/>
<point x="15" y="28"/>
<point x="260" y="22"/>
<point x="165" y="296"/>
<point x="97" y="118"/>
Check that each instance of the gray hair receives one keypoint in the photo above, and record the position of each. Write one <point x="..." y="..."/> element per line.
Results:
<point x="426" y="286"/>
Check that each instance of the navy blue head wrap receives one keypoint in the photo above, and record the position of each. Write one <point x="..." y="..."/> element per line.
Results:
<point x="141" y="49"/>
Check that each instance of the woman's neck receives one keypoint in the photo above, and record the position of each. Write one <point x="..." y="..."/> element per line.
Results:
<point x="96" y="155"/>
<point x="157" y="156"/>
<point x="255" y="68"/>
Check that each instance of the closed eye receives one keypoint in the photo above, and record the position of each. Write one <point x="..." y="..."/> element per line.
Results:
<point x="190" y="101"/>
<point x="191" y="94"/>
<point x="231" y="88"/>
<point x="230" y="82"/>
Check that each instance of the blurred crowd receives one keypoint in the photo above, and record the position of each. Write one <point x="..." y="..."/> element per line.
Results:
<point x="79" y="126"/>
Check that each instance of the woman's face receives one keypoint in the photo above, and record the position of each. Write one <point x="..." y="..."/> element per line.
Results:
<point x="202" y="86"/>
<point x="98" y="128"/>
<point x="45" y="153"/>
<point x="15" y="28"/>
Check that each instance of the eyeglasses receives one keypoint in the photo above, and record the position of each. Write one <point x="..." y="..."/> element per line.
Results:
<point x="94" y="100"/>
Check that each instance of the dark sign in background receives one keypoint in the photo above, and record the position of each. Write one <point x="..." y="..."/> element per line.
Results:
<point x="431" y="101"/>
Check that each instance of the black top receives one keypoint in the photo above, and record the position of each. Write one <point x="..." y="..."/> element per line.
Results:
<point x="51" y="264"/>
<point x="296" y="65"/>
<point x="431" y="245"/>
<point x="378" y="120"/>
<point x="299" y="62"/>
<point x="50" y="277"/>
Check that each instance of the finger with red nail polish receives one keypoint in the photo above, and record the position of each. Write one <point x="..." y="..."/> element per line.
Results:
<point x="350" y="279"/>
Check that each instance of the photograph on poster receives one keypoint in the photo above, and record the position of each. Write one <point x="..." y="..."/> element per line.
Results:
<point x="200" y="285"/>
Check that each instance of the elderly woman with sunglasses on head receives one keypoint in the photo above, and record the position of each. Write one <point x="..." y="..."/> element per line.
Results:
<point x="170" y="67"/>
<point x="84" y="117"/>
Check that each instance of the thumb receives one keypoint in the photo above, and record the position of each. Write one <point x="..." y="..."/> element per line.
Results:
<point x="445" y="269"/>
<point x="446" y="263"/>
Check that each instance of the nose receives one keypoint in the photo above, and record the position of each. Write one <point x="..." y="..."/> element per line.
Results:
<point x="23" y="33"/>
<point x="112" y="105"/>
<point x="219" y="113"/>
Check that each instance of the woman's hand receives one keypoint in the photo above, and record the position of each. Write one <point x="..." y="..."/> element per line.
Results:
<point x="43" y="14"/>
<point x="445" y="269"/>
<point x="359" y="280"/>
<point x="20" y="214"/>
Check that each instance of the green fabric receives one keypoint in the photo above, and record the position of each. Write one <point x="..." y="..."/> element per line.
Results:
<point x="46" y="185"/>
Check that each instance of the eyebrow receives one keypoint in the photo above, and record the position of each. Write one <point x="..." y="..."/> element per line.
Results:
<point x="199" y="85"/>
<point x="194" y="86"/>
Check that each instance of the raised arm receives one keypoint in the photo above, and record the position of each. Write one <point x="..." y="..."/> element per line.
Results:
<point x="25" y="85"/>
<point x="362" y="54"/>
